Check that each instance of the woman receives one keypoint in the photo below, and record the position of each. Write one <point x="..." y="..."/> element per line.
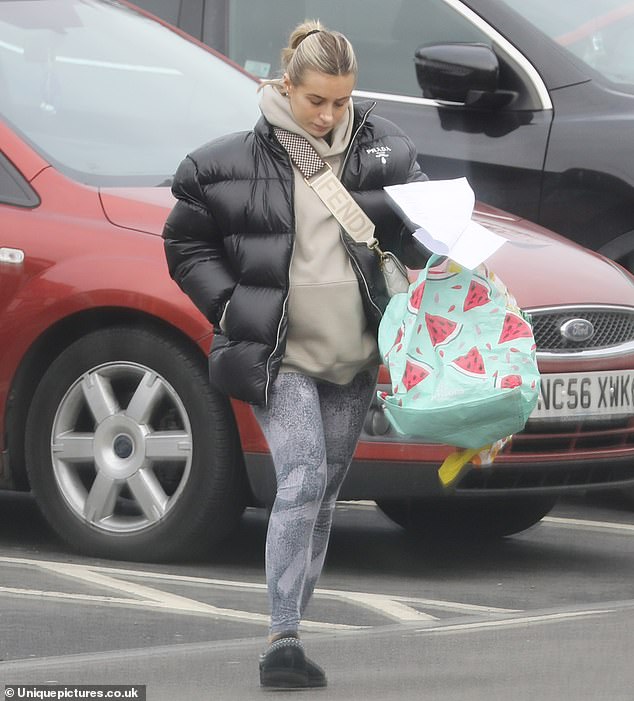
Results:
<point x="294" y="300"/>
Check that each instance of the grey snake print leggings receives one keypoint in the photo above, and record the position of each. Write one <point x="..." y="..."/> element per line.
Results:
<point x="312" y="429"/>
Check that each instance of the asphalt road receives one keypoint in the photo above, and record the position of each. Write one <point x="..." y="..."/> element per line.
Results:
<point x="547" y="614"/>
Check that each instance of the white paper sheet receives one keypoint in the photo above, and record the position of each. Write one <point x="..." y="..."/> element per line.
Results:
<point x="442" y="211"/>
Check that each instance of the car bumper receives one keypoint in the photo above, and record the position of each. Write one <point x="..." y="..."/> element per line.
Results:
<point x="400" y="479"/>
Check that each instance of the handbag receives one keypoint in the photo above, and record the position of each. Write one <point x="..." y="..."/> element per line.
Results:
<point x="394" y="272"/>
<point x="320" y="177"/>
<point x="461" y="357"/>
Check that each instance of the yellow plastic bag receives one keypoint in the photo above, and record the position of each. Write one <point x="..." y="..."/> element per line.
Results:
<point x="455" y="463"/>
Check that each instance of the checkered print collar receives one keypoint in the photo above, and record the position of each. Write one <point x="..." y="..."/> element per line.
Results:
<point x="303" y="155"/>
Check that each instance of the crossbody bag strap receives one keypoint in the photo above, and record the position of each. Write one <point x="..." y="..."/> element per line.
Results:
<point x="320" y="177"/>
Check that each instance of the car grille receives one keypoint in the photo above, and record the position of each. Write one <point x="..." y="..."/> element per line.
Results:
<point x="613" y="327"/>
<point x="600" y="458"/>
<point x="536" y="459"/>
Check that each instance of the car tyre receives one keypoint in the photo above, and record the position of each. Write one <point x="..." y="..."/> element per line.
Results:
<point x="130" y="453"/>
<point x="467" y="518"/>
<point x="628" y="495"/>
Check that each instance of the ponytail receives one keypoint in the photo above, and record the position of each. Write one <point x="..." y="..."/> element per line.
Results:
<point x="313" y="47"/>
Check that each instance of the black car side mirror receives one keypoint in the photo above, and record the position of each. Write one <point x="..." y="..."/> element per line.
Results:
<point x="461" y="73"/>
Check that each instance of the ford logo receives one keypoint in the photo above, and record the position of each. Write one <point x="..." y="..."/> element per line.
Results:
<point x="577" y="330"/>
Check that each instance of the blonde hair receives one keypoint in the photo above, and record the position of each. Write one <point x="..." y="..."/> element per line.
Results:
<point x="313" y="47"/>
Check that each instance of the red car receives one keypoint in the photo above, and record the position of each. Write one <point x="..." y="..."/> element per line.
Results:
<point x="105" y="408"/>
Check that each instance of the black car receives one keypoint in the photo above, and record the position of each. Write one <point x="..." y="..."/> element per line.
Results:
<point x="532" y="101"/>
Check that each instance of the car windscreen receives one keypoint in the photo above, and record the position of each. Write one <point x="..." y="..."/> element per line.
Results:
<point x="110" y="96"/>
<point x="598" y="32"/>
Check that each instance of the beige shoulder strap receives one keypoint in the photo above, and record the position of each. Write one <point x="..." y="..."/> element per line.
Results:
<point x="319" y="176"/>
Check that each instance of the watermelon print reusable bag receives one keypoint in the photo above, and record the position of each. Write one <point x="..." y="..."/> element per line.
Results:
<point x="461" y="356"/>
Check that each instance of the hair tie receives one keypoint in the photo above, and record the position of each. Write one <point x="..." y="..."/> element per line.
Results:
<point x="312" y="31"/>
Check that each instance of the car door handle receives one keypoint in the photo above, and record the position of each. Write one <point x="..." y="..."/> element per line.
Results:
<point x="11" y="255"/>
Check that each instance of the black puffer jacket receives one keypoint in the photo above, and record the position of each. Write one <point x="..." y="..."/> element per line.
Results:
<point x="229" y="239"/>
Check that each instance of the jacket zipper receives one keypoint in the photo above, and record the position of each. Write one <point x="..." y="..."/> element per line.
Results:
<point x="279" y="327"/>
<point x="353" y="260"/>
<point x="341" y="231"/>
<point x="288" y="292"/>
<point x="364" y="119"/>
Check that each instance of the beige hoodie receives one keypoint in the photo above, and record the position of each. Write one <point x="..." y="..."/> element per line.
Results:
<point x="328" y="336"/>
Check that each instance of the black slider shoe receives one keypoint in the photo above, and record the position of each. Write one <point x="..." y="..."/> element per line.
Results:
<point x="285" y="666"/>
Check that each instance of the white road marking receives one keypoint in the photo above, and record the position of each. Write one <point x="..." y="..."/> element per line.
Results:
<point x="42" y="594"/>
<point x="146" y="595"/>
<point x="379" y="603"/>
<point x="141" y="596"/>
<point x="395" y="608"/>
<point x="513" y="622"/>
<point x="579" y="522"/>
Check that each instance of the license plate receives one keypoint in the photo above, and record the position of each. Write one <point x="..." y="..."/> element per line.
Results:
<point x="590" y="395"/>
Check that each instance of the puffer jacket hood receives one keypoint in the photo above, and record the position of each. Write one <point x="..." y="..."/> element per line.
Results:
<point x="229" y="239"/>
